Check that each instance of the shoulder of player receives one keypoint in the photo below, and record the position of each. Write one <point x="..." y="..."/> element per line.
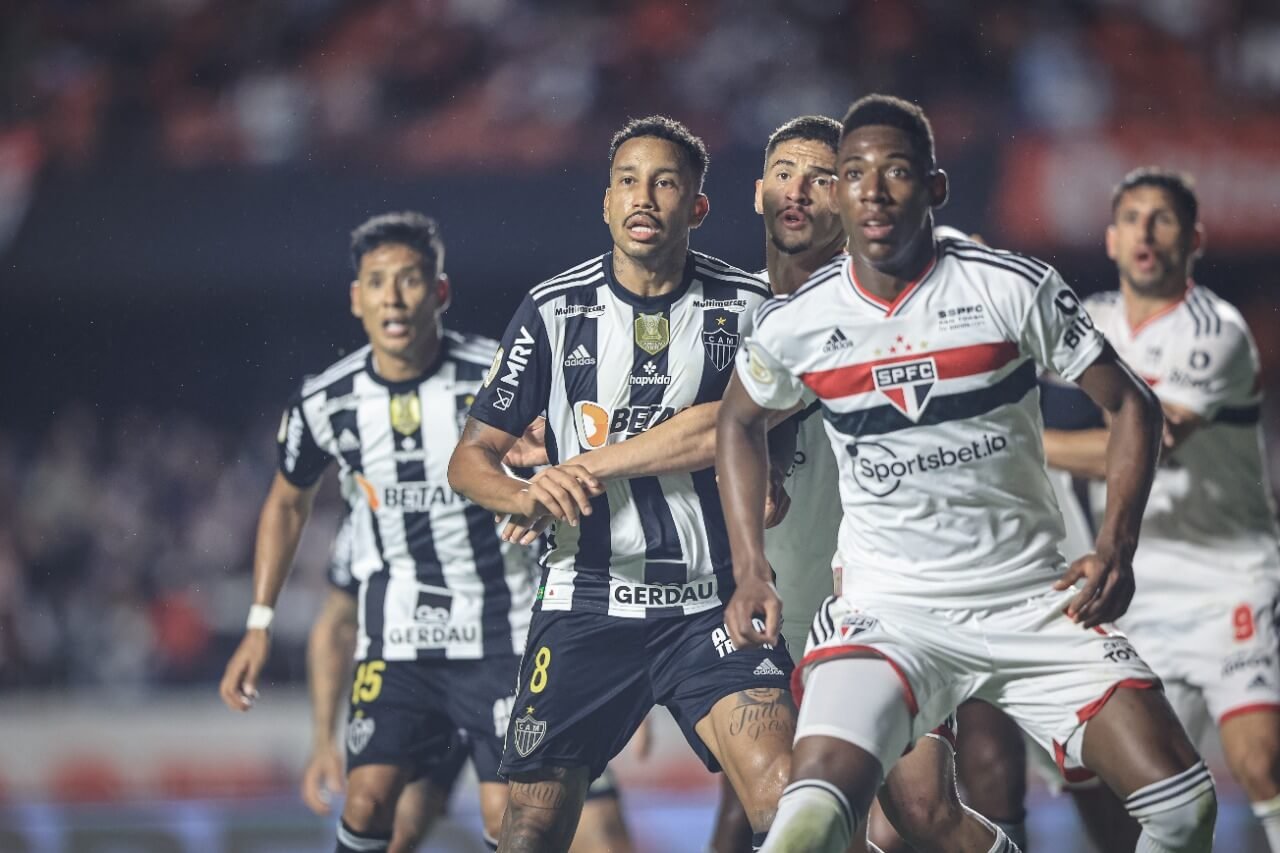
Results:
<point x="336" y="372"/>
<point x="1212" y="316"/>
<point x="819" y="280"/>
<point x="584" y="274"/>
<point x="999" y="264"/>
<point x="715" y="269"/>
<point x="472" y="349"/>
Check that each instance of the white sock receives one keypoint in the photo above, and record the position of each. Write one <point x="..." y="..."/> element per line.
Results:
<point x="1017" y="832"/>
<point x="1268" y="814"/>
<point x="1002" y="843"/>
<point x="1177" y="814"/>
<point x="813" y="817"/>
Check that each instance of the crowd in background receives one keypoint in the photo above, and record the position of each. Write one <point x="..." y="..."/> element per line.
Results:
<point x="421" y="85"/>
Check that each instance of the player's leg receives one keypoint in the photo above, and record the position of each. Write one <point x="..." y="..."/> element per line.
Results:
<point x="732" y="831"/>
<point x="421" y="804"/>
<point x="583" y="690"/>
<point x="991" y="764"/>
<point x="368" y="815"/>
<point x="920" y="801"/>
<point x="602" y="827"/>
<point x="1251" y="743"/>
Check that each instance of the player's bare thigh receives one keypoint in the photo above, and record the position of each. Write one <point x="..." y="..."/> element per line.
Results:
<point x="750" y="733"/>
<point x="1135" y="740"/>
<point x="1251" y="743"/>
<point x="543" y="808"/>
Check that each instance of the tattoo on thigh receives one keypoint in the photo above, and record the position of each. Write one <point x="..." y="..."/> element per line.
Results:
<point x="762" y="711"/>
<point x="539" y="795"/>
<point x="541" y="814"/>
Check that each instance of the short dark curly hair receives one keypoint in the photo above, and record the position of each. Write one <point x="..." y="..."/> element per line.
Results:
<point x="1179" y="185"/>
<point x="894" y="112"/>
<point x="664" y="127"/>
<point x="409" y="228"/>
<point x="817" y="128"/>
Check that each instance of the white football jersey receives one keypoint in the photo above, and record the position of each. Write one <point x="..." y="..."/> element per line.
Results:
<point x="1198" y="354"/>
<point x="932" y="410"/>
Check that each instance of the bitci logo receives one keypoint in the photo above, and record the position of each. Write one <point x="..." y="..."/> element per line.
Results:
<point x="907" y="384"/>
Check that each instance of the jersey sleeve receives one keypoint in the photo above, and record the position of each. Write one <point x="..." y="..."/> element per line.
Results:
<point x="1057" y="330"/>
<point x="1215" y="371"/>
<point x="300" y="459"/>
<point x="762" y="372"/>
<point x="518" y="384"/>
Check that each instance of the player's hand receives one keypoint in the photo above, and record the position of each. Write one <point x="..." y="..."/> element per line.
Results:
<point x="1108" y="588"/>
<point x="563" y="491"/>
<point x="239" y="687"/>
<point x="530" y="450"/>
<point x="322" y="779"/>
<point x="521" y="529"/>
<point x="753" y="598"/>
<point x="776" y="500"/>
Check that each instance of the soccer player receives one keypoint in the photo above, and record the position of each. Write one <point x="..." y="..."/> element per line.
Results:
<point x="629" y="612"/>
<point x="803" y="233"/>
<point x="443" y="603"/>
<point x="1208" y="568"/>
<point x="949" y="518"/>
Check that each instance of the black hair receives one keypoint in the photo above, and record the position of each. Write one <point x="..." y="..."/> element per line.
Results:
<point x="663" y="127"/>
<point x="408" y="228"/>
<point x="818" y="128"/>
<point x="893" y="112"/>
<point x="1179" y="186"/>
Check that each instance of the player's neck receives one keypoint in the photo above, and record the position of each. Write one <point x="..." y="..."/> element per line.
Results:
<point x="1140" y="305"/>
<point x="887" y="281"/>
<point x="788" y="271"/>
<point x="402" y="367"/>
<point x="655" y="276"/>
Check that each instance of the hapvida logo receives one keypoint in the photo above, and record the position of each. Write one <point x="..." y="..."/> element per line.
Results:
<point x="879" y="471"/>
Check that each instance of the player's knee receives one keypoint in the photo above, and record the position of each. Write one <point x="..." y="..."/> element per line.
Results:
<point x="924" y="814"/>
<point x="1179" y="812"/>
<point x="764" y="788"/>
<point x="369" y="810"/>
<point x="1257" y="769"/>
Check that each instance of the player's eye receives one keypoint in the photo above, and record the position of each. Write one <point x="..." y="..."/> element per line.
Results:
<point x="784" y="176"/>
<point x="822" y="181"/>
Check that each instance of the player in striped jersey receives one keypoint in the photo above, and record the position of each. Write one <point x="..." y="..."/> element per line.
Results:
<point x="960" y="589"/>
<point x="1208" y="568"/>
<point x="443" y="603"/>
<point x="629" y="611"/>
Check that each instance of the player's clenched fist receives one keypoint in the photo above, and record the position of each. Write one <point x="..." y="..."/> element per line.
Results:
<point x="752" y="599"/>
<point x="1108" y="588"/>
<point x="239" y="685"/>
<point x="564" y="491"/>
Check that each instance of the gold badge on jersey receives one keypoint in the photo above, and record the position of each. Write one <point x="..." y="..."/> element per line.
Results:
<point x="406" y="413"/>
<point x="653" y="332"/>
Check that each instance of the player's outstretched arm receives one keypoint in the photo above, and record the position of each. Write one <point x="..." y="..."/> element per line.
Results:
<point x="475" y="470"/>
<point x="284" y="514"/>
<point x="330" y="648"/>
<point x="741" y="462"/>
<point x="1133" y="446"/>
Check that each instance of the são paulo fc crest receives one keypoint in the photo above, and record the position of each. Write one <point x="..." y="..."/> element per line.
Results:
<point x="359" y="732"/>
<point x="907" y="384"/>
<point x="528" y="733"/>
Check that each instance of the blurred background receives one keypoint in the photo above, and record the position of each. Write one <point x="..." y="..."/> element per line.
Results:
<point x="178" y="179"/>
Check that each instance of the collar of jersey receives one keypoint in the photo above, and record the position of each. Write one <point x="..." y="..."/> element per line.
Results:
<point x="1159" y="315"/>
<point x="408" y="384"/>
<point x="889" y="309"/>
<point x="649" y="303"/>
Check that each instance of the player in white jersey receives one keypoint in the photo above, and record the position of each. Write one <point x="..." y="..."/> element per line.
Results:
<point x="959" y="589"/>
<point x="629" y="613"/>
<point x="1208" y="568"/>
<point x="802" y="234"/>
<point x="442" y="603"/>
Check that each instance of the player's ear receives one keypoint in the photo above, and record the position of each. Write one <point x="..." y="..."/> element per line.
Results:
<point x="759" y="199"/>
<point x="939" y="188"/>
<point x="444" y="293"/>
<point x="701" y="207"/>
<point x="1111" y="240"/>
<point x="356" y="310"/>
<point x="1197" y="240"/>
<point x="604" y="213"/>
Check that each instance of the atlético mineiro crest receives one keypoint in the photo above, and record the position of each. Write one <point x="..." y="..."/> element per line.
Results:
<point x="907" y="384"/>
<point x="720" y="344"/>
<point x="527" y="733"/>
<point x="359" y="732"/>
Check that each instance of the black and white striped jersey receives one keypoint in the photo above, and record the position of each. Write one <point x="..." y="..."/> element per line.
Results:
<point x="435" y="581"/>
<point x="605" y="364"/>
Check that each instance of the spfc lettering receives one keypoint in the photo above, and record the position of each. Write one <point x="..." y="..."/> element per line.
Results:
<point x="907" y="384"/>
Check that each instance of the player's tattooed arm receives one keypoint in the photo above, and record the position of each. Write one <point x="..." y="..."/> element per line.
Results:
<point x="543" y="809"/>
<point x="475" y="470"/>
<point x="1133" y="446"/>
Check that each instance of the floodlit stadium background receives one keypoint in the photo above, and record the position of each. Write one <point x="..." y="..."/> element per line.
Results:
<point x="177" y="181"/>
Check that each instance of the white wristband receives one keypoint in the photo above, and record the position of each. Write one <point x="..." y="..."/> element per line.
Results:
<point x="260" y="616"/>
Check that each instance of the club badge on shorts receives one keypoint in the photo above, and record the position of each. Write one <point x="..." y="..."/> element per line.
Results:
<point x="527" y="733"/>
<point x="653" y="332"/>
<point x="359" y="733"/>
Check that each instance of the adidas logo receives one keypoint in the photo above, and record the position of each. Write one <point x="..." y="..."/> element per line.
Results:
<point x="580" y="357"/>
<point x="768" y="667"/>
<point x="838" y="341"/>
<point x="348" y="441"/>
<point x="1258" y="681"/>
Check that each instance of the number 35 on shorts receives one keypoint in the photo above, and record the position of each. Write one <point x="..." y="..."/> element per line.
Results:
<point x="541" y="663"/>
